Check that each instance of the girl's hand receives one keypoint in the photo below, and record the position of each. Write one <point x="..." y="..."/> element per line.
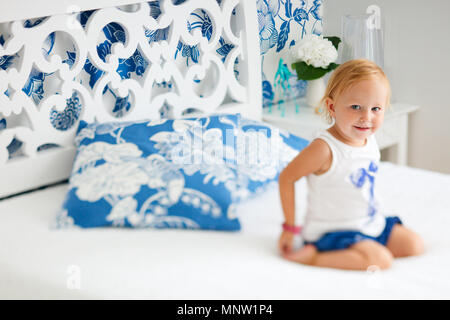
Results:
<point x="286" y="241"/>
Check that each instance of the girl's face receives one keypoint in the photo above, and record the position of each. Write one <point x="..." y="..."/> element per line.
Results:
<point x="359" y="110"/>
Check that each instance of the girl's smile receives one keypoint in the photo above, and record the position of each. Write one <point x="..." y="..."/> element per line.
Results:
<point x="363" y="128"/>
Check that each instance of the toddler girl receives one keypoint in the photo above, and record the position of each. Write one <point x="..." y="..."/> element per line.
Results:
<point x="343" y="226"/>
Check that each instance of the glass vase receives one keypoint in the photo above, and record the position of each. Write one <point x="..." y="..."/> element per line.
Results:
<point x="362" y="37"/>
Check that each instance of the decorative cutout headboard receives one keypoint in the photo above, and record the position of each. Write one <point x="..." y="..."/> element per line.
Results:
<point x="145" y="60"/>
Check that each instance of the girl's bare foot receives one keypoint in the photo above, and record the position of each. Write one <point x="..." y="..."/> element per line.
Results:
<point x="304" y="255"/>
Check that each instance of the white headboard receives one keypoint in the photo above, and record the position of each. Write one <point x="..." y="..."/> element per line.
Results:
<point x="184" y="66"/>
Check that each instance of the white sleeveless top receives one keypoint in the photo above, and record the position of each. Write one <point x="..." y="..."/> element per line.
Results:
<point x="344" y="198"/>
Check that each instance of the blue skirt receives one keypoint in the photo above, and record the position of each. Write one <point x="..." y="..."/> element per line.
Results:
<point x="344" y="239"/>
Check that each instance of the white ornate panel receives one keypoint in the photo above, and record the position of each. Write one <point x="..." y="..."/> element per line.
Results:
<point x="56" y="71"/>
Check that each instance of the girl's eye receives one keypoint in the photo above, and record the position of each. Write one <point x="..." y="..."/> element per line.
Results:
<point x="356" y="107"/>
<point x="376" y="109"/>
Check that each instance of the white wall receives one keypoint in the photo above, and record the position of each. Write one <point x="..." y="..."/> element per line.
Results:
<point x="417" y="62"/>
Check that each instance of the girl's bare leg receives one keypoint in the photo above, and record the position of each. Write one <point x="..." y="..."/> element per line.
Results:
<point x="404" y="243"/>
<point x="358" y="257"/>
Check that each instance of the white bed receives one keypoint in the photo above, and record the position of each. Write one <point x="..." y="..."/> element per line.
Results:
<point x="38" y="262"/>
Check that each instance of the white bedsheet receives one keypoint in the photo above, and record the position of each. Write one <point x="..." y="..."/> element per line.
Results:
<point x="36" y="262"/>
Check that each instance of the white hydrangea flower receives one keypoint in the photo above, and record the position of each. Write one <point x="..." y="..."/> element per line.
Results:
<point x="316" y="51"/>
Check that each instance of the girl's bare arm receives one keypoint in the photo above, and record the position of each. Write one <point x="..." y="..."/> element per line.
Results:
<point x="315" y="158"/>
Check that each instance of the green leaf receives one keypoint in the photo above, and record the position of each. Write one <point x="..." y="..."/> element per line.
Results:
<point x="308" y="72"/>
<point x="334" y="40"/>
<point x="332" y="66"/>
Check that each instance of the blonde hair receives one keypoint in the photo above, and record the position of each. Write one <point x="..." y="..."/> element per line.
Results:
<point x="345" y="76"/>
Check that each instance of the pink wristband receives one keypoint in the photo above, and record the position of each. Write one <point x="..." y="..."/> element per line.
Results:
<point x="292" y="229"/>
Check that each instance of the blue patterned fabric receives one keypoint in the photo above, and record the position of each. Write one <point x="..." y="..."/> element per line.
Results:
<point x="161" y="174"/>
<point x="282" y="23"/>
<point x="266" y="151"/>
<point x="173" y="173"/>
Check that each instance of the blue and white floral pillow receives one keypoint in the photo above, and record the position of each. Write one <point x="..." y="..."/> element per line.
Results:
<point x="262" y="153"/>
<point x="161" y="174"/>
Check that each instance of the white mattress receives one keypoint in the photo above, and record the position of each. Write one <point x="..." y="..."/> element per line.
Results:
<point x="37" y="262"/>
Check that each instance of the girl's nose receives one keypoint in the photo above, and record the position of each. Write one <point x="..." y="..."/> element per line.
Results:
<point x="365" y="116"/>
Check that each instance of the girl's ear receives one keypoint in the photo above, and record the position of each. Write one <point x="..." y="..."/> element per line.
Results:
<point x="330" y="106"/>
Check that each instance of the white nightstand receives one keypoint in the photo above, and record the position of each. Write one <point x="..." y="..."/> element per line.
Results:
<point x="392" y="138"/>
